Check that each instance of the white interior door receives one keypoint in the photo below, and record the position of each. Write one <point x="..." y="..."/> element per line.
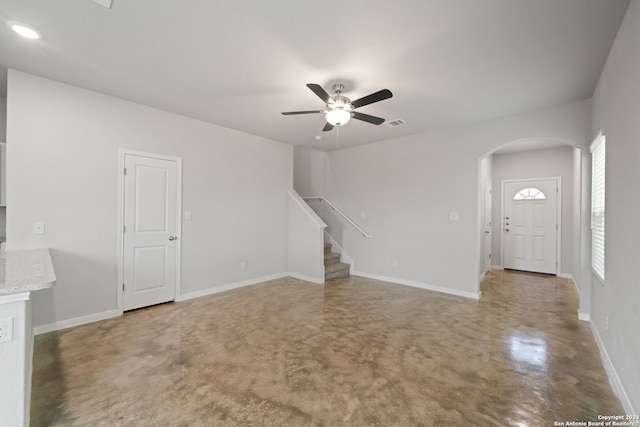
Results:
<point x="487" y="225"/>
<point x="530" y="225"/>
<point x="150" y="230"/>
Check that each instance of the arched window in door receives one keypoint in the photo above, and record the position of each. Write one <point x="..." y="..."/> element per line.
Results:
<point x="529" y="193"/>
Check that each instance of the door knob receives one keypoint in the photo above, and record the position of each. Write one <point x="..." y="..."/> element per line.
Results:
<point x="173" y="238"/>
<point x="486" y="232"/>
<point x="506" y="229"/>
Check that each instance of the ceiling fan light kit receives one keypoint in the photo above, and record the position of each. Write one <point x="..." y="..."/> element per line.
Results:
<point x="24" y="30"/>
<point x="340" y="108"/>
<point x="338" y="117"/>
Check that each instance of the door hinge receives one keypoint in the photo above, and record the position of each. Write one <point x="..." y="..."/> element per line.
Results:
<point x="125" y="171"/>
<point x="123" y="287"/>
<point x="124" y="228"/>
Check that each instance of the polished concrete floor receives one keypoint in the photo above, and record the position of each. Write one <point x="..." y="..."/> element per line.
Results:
<point x="355" y="352"/>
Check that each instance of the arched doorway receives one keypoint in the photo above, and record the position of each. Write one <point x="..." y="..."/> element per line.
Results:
<point x="525" y="160"/>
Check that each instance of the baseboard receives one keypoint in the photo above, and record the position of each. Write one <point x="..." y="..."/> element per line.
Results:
<point x="420" y="285"/>
<point x="83" y="320"/>
<point x="496" y="267"/>
<point x="316" y="280"/>
<point x="565" y="276"/>
<point x="585" y="317"/>
<point x="614" y="379"/>
<point x="228" y="287"/>
<point x="76" y="321"/>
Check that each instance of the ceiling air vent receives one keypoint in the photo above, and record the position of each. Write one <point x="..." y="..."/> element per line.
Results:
<point x="396" y="123"/>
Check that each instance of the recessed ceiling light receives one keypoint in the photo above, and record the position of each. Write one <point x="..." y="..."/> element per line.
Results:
<point x="24" y="30"/>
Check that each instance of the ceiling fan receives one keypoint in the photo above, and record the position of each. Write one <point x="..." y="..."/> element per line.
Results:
<point x="340" y="108"/>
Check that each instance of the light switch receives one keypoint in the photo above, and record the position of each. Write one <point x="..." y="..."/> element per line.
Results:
<point x="187" y="214"/>
<point x="38" y="227"/>
<point x="454" y="216"/>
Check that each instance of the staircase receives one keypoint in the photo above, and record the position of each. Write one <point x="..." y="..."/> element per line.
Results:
<point x="333" y="268"/>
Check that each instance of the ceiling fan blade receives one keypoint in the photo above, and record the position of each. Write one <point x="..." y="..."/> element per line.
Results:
<point x="370" y="99"/>
<point x="327" y="127"/>
<point x="291" y="113"/>
<point x="367" y="118"/>
<point x="318" y="90"/>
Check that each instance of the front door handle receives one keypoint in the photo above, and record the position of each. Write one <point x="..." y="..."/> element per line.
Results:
<point x="173" y="238"/>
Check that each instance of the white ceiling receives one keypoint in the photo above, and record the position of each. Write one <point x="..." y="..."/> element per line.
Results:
<point x="239" y="64"/>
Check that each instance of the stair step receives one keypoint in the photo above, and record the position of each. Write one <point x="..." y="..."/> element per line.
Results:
<point x="336" y="271"/>
<point x="331" y="258"/>
<point x="327" y="247"/>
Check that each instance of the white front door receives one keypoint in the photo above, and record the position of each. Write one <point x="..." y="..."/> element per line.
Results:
<point x="150" y="230"/>
<point x="530" y="225"/>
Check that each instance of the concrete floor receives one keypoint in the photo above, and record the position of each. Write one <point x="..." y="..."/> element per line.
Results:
<point x="355" y="352"/>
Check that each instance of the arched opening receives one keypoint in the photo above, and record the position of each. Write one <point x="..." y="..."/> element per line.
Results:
<point x="529" y="159"/>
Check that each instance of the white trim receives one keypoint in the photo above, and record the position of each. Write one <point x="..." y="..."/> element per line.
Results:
<point x="449" y="291"/>
<point x="496" y="267"/>
<point x="228" y="287"/>
<point x="76" y="321"/>
<point x="9" y="298"/>
<point x="558" y="180"/>
<point x="122" y="152"/>
<point x="565" y="276"/>
<point x="585" y="317"/>
<point x="83" y="320"/>
<point x="317" y="281"/>
<point x="598" y="143"/>
<point x="311" y="214"/>
<point x="614" y="379"/>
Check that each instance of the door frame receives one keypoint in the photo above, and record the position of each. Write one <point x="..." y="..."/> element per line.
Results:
<point x="558" y="180"/>
<point x="122" y="153"/>
<point x="488" y="209"/>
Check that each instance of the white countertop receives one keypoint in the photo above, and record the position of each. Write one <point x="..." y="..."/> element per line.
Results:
<point x="25" y="271"/>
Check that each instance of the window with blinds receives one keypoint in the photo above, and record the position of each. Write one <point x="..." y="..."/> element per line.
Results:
<point x="597" y="205"/>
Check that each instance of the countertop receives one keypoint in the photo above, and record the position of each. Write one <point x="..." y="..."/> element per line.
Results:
<point x="25" y="271"/>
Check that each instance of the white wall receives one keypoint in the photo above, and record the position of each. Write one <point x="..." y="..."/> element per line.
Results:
<point x="406" y="188"/>
<point x="63" y="170"/>
<point x="306" y="241"/>
<point x="616" y="107"/>
<point x="538" y="164"/>
<point x="3" y="119"/>
<point x="308" y="171"/>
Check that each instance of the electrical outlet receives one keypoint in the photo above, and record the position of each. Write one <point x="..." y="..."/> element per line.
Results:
<point x="6" y="329"/>
<point x="243" y="265"/>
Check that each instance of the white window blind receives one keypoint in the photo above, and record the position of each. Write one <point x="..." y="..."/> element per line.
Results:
<point x="597" y="205"/>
